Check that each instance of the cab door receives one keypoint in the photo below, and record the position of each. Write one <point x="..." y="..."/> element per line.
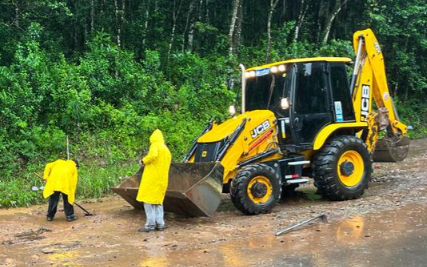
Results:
<point x="311" y="109"/>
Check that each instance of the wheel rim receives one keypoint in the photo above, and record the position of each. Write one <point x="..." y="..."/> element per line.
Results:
<point x="259" y="189"/>
<point x="350" y="168"/>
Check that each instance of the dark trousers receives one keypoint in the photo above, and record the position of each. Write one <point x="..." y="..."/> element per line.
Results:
<point x="53" y="205"/>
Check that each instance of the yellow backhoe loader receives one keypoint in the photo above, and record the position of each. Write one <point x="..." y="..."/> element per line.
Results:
<point x="300" y="119"/>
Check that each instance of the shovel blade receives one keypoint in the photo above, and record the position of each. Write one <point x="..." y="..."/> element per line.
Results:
<point x="391" y="149"/>
<point x="194" y="189"/>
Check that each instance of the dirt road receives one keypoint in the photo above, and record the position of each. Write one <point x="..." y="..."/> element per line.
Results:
<point x="386" y="227"/>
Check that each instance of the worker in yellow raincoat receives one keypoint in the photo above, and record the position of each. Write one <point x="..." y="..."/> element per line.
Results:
<point x="154" y="182"/>
<point x="61" y="179"/>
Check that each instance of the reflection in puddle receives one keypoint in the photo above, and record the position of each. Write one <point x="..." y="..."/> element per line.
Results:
<point x="350" y="230"/>
<point x="61" y="258"/>
<point x="157" y="261"/>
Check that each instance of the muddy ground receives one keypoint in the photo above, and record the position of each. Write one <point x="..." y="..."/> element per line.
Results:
<point x="386" y="227"/>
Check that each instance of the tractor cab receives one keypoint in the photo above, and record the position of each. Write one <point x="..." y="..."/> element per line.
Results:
<point x="304" y="94"/>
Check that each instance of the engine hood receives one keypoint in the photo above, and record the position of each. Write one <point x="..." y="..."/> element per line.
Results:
<point x="221" y="131"/>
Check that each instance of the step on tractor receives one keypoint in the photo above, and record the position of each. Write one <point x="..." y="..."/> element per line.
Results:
<point x="301" y="118"/>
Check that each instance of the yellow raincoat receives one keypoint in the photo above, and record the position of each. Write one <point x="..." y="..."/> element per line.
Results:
<point x="154" y="181"/>
<point x="61" y="175"/>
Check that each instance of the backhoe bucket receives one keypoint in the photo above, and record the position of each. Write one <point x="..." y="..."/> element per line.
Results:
<point x="391" y="149"/>
<point x="194" y="189"/>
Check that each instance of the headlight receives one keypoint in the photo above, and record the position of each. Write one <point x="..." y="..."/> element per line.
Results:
<point x="232" y="110"/>
<point x="284" y="103"/>
<point x="282" y="68"/>
<point x="273" y="69"/>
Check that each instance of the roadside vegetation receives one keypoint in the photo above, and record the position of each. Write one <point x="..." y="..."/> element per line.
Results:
<point x="107" y="73"/>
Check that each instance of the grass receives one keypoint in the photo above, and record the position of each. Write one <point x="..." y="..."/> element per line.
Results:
<point x="17" y="192"/>
<point x="94" y="182"/>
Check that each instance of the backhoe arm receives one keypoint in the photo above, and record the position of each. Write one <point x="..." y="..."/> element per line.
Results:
<point x="369" y="83"/>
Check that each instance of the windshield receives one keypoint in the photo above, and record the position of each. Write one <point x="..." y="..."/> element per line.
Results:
<point x="265" y="92"/>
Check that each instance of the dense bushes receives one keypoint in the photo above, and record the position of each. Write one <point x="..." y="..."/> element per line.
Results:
<point x="105" y="101"/>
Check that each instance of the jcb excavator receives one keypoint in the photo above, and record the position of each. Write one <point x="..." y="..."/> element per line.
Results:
<point x="299" y="119"/>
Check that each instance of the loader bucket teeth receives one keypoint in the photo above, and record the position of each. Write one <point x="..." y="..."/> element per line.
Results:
<point x="391" y="149"/>
<point x="194" y="189"/>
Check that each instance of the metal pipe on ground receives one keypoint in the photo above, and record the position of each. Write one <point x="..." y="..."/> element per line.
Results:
<point x="321" y="217"/>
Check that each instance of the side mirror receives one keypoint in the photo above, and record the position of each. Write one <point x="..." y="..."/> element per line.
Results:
<point x="284" y="103"/>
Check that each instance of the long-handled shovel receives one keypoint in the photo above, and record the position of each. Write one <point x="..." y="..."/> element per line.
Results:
<point x="87" y="213"/>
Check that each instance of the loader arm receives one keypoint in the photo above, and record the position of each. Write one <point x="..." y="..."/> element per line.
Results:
<point x="369" y="83"/>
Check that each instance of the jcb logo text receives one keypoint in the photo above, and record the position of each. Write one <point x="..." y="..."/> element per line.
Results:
<point x="365" y="102"/>
<point x="260" y="129"/>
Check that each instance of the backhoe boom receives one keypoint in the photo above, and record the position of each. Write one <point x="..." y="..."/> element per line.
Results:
<point x="369" y="83"/>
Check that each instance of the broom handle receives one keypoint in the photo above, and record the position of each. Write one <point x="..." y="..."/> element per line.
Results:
<point x="38" y="176"/>
<point x="68" y="149"/>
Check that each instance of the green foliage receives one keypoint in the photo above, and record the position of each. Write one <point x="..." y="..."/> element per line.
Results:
<point x="401" y="30"/>
<point x="414" y="113"/>
<point x="95" y="181"/>
<point x="108" y="104"/>
<point x="19" y="191"/>
<point x="107" y="75"/>
<point x="337" y="48"/>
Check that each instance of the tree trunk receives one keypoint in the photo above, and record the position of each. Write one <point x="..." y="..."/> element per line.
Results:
<point x="207" y="11"/>
<point x="190" y="37"/>
<point x="146" y="18"/>
<point x="200" y="10"/>
<point x="116" y="13"/>
<point x="175" y="15"/>
<point x="238" y="31"/>
<point x="17" y="19"/>
<point x="187" y="23"/>
<point x="231" y="33"/>
<point x="301" y="17"/>
<point x="273" y="4"/>
<point x="122" y="20"/>
<point x="337" y="8"/>
<point x="75" y="28"/>
<point x="283" y="12"/>
<point x="92" y="16"/>
<point x="321" y="14"/>
<point x="102" y="7"/>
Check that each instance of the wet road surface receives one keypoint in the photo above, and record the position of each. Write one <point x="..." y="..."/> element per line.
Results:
<point x="386" y="227"/>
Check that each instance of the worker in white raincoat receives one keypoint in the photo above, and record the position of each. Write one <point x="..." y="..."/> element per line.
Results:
<point x="61" y="179"/>
<point x="154" y="182"/>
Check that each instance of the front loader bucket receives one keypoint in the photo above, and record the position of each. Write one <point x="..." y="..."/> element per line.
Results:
<point x="194" y="189"/>
<point x="391" y="149"/>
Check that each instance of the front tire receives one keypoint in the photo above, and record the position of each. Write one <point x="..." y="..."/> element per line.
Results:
<point x="342" y="168"/>
<point x="255" y="189"/>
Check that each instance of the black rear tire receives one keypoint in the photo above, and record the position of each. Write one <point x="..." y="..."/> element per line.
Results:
<point x="342" y="168"/>
<point x="255" y="189"/>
